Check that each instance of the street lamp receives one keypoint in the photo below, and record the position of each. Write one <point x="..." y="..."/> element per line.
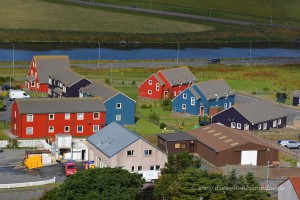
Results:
<point x="268" y="175"/>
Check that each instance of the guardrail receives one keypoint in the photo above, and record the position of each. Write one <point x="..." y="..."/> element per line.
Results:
<point x="27" y="184"/>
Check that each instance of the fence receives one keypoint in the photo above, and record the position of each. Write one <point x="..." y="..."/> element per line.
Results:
<point x="24" y="143"/>
<point x="27" y="184"/>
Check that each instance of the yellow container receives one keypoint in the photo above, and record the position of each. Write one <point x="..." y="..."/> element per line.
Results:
<point x="33" y="162"/>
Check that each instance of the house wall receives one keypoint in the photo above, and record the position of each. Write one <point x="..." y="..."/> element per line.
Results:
<point x="100" y="159"/>
<point x="41" y="124"/>
<point x="144" y="87"/>
<point x="31" y="72"/>
<point x="169" y="146"/>
<point x="179" y="101"/>
<point x="16" y="121"/>
<point x="296" y="101"/>
<point x="287" y="191"/>
<point x="127" y="110"/>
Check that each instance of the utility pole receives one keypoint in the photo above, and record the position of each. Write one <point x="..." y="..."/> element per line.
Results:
<point x="151" y="5"/>
<point x="13" y="60"/>
<point x="268" y="176"/>
<point x="98" y="54"/>
<point x="271" y="19"/>
<point x="110" y="73"/>
<point x="177" y="52"/>
<point x="250" y="50"/>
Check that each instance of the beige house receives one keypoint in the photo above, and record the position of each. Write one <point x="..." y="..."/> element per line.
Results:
<point x="115" y="146"/>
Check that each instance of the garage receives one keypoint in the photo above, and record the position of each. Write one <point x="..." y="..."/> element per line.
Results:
<point x="249" y="158"/>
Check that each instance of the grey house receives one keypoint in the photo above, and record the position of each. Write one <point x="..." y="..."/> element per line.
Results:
<point x="256" y="115"/>
<point x="116" y="146"/>
<point x="66" y="83"/>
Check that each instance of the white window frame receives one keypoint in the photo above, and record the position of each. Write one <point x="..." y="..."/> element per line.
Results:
<point x="49" y="91"/>
<point x="29" y="128"/>
<point x="118" y="118"/>
<point x="51" y="129"/>
<point x="274" y="123"/>
<point x="32" y="84"/>
<point x="150" y="92"/>
<point x="149" y="82"/>
<point x="265" y="126"/>
<point x="64" y="89"/>
<point x="80" y="116"/>
<point x="233" y="125"/>
<point x="148" y="152"/>
<point x="67" y="131"/>
<point x="118" y="105"/>
<point x="51" y="118"/>
<point x="225" y="105"/>
<point x="50" y="81"/>
<point x="152" y="167"/>
<point x="28" y="119"/>
<point x="94" y="126"/>
<point x="239" y="126"/>
<point x="67" y="116"/>
<point x="157" y="87"/>
<point x="78" y="130"/>
<point x="184" y="96"/>
<point x="98" y="115"/>
<point x="193" y="100"/>
<point x="259" y="127"/>
<point x="279" y="122"/>
<point x="131" y="153"/>
<point x="183" y="107"/>
<point x="230" y="105"/>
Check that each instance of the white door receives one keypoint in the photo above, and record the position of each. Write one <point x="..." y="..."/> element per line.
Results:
<point x="249" y="158"/>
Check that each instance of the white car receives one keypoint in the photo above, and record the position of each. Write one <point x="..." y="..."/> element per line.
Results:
<point x="149" y="175"/>
<point x="291" y="144"/>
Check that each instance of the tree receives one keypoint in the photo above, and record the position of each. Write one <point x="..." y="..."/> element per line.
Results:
<point x="99" y="183"/>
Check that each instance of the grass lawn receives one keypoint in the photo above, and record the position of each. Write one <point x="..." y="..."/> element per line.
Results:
<point x="3" y="136"/>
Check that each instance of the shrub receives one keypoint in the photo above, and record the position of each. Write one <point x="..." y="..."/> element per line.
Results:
<point x="162" y="125"/>
<point x="154" y="116"/>
<point x="4" y="94"/>
<point x="133" y="83"/>
<point x="1" y="105"/>
<point x="13" y="143"/>
<point x="144" y="106"/>
<point x="266" y="89"/>
<point x="166" y="104"/>
<point x="107" y="81"/>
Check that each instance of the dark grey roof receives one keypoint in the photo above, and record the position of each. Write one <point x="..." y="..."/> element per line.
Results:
<point x="260" y="111"/>
<point x="112" y="139"/>
<point x="179" y="136"/>
<point x="159" y="79"/>
<point x="67" y="76"/>
<point x="58" y="91"/>
<point x="60" y="105"/>
<point x="297" y="93"/>
<point x="215" y="88"/>
<point x="47" y="65"/>
<point x="97" y="89"/>
<point x="30" y="78"/>
<point x="176" y="76"/>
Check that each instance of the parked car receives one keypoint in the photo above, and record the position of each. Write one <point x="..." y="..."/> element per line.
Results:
<point x="289" y="144"/>
<point x="70" y="169"/>
<point x="214" y="60"/>
<point x="6" y="87"/>
<point x="149" y="175"/>
<point x="17" y="94"/>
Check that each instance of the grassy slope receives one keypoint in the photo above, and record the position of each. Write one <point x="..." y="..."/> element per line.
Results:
<point x="41" y="15"/>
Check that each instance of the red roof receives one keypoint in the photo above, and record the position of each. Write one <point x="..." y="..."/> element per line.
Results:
<point x="296" y="183"/>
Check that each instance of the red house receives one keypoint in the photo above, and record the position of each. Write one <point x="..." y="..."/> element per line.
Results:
<point x="40" y="69"/>
<point x="43" y="118"/>
<point x="167" y="83"/>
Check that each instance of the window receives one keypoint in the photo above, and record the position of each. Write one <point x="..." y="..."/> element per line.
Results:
<point x="32" y="84"/>
<point x="147" y="152"/>
<point x="131" y="153"/>
<point x="49" y="91"/>
<point x="183" y="106"/>
<point x="152" y="167"/>
<point x="279" y="121"/>
<point x="64" y="89"/>
<point x="192" y="101"/>
<point x="179" y="146"/>
<point x="29" y="130"/>
<point x="67" y="116"/>
<point x="118" y="117"/>
<point x="96" y="115"/>
<point x="265" y="126"/>
<point x="238" y="125"/>
<point x="15" y="113"/>
<point x="174" y="93"/>
<point x="150" y="82"/>
<point x="67" y="129"/>
<point x="225" y="105"/>
<point x="79" y="129"/>
<point x="29" y="118"/>
<point x="229" y="105"/>
<point x="184" y="96"/>
<point x="51" y="116"/>
<point x="140" y="168"/>
<point x="274" y="123"/>
<point x="233" y="124"/>
<point x="149" y="91"/>
<point x="95" y="128"/>
<point x="157" y="87"/>
<point x="51" y="129"/>
<point x="157" y="167"/>
<point x="50" y="81"/>
<point x="118" y="106"/>
<point x="259" y="126"/>
<point x="132" y="168"/>
<point x="80" y="116"/>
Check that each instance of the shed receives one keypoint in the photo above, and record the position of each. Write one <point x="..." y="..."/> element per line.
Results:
<point x="45" y="154"/>
<point x="296" y="122"/>
<point x="296" y="98"/>
<point x="79" y="151"/>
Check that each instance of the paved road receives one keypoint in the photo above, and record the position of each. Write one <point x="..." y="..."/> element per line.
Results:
<point x="6" y="115"/>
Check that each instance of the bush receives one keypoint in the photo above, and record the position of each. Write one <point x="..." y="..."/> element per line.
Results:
<point x="13" y="143"/>
<point x="1" y="105"/>
<point x="107" y="81"/>
<point x="281" y="95"/>
<point x="166" y="105"/>
<point x="133" y="83"/>
<point x="154" y="116"/>
<point x="162" y="125"/>
<point x="4" y="94"/>
<point x="144" y="106"/>
<point x="266" y="89"/>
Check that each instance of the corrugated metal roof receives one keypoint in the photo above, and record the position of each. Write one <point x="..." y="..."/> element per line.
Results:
<point x="179" y="136"/>
<point x="223" y="137"/>
<point x="99" y="89"/>
<point x="60" y="105"/>
<point x="176" y="76"/>
<point x="159" y="79"/>
<point x="214" y="89"/>
<point x="47" y="65"/>
<point x="297" y="93"/>
<point x="58" y="91"/>
<point x="260" y="111"/>
<point x="112" y="139"/>
<point x="67" y="76"/>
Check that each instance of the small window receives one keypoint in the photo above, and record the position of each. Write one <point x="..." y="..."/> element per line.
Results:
<point x="51" y="116"/>
<point x="50" y="81"/>
<point x="279" y="121"/>
<point x="140" y="168"/>
<point x="152" y="167"/>
<point x="51" y="129"/>
<point x="157" y="167"/>
<point x="132" y="168"/>
<point x="184" y="96"/>
<point x="274" y="123"/>
<point x="131" y="153"/>
<point x="233" y="124"/>
<point x="80" y="116"/>
<point x="259" y="126"/>
<point x="150" y="82"/>
<point x="118" y="106"/>
<point x="192" y="101"/>
<point x="96" y="115"/>
<point x="95" y="128"/>
<point x="238" y="125"/>
<point x="183" y="106"/>
<point x="265" y="126"/>
<point x="67" y="129"/>
<point x="225" y="105"/>
<point x="157" y="87"/>
<point x="67" y="116"/>
<point x="29" y="130"/>
<point x="149" y="91"/>
<point x="118" y="117"/>
<point x="147" y="152"/>
<point x="32" y="84"/>
<point x="177" y="146"/>
<point x="29" y="118"/>
<point x="229" y="106"/>
<point x="79" y="129"/>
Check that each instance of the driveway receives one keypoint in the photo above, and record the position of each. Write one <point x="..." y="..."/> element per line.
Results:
<point x="6" y="115"/>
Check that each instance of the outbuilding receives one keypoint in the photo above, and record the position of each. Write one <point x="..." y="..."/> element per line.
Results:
<point x="296" y="98"/>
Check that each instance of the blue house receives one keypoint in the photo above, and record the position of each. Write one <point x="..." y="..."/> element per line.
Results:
<point x="200" y="98"/>
<point x="120" y="108"/>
